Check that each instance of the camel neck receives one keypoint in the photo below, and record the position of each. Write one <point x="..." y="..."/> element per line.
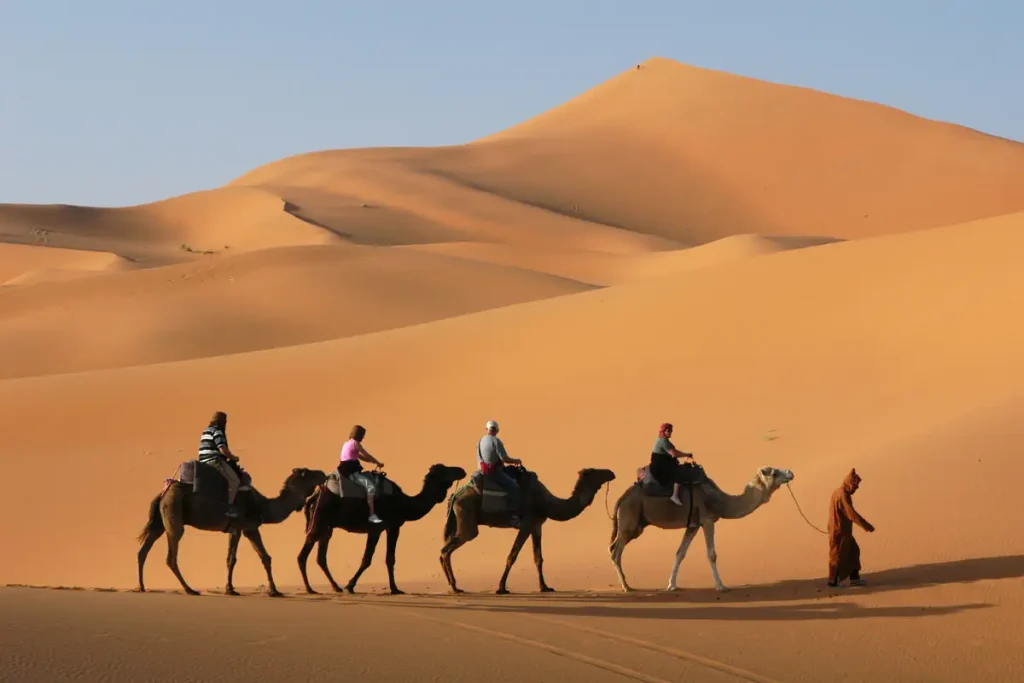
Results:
<point x="736" y="507"/>
<point x="278" y="509"/>
<point x="564" y="509"/>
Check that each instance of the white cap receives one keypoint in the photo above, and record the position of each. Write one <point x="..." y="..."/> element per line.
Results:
<point x="491" y="424"/>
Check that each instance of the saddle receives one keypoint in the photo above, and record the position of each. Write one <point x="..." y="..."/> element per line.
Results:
<point x="652" y="488"/>
<point x="204" y="478"/>
<point x="343" y="487"/>
<point x="495" y="498"/>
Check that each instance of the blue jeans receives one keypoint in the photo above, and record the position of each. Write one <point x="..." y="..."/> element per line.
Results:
<point x="502" y="479"/>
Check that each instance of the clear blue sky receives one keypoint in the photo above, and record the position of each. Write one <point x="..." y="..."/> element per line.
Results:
<point x="113" y="102"/>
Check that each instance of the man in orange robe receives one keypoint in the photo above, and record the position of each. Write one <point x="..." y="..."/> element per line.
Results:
<point x="843" y="551"/>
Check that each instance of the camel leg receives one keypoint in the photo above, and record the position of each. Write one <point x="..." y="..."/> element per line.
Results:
<point x="147" y="543"/>
<point x="175" y="530"/>
<point x="538" y="559"/>
<point x="233" y="540"/>
<point x="307" y="547"/>
<point x="371" y="545"/>
<point x="513" y="554"/>
<point x="680" y="554"/>
<point x="256" y="539"/>
<point x="617" y="547"/>
<point x="390" y="558"/>
<point x="453" y="544"/>
<point x="321" y="558"/>
<point x="709" y="538"/>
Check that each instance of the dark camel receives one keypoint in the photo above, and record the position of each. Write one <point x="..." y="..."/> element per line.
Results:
<point x="465" y="516"/>
<point x="326" y="511"/>
<point x="177" y="507"/>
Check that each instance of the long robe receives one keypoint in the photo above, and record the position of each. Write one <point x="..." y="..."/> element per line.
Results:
<point x="844" y="552"/>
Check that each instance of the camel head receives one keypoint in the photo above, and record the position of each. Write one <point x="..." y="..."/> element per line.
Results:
<point x="303" y="482"/>
<point x="592" y="478"/>
<point x="771" y="478"/>
<point x="441" y="477"/>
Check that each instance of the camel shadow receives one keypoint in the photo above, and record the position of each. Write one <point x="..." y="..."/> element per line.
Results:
<point x="803" y="612"/>
<point x="884" y="581"/>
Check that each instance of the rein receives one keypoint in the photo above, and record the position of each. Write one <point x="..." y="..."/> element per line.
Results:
<point x="788" y="488"/>
<point x="607" y="490"/>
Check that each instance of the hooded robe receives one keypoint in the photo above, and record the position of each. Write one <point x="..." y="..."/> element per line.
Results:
<point x="844" y="553"/>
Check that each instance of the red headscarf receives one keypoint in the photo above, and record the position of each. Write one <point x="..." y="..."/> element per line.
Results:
<point x="664" y="429"/>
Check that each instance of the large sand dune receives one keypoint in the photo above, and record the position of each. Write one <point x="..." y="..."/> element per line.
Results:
<point x="792" y="278"/>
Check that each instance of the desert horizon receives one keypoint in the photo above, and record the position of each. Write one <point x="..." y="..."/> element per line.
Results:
<point x="795" y="280"/>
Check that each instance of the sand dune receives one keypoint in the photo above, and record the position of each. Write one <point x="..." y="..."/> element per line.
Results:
<point x="26" y="264"/>
<point x="896" y="338"/>
<point x="245" y="302"/>
<point x="793" y="278"/>
<point x="607" y="269"/>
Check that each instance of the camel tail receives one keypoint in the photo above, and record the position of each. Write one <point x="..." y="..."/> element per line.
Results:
<point x="451" y="524"/>
<point x="615" y="514"/>
<point x="155" y="522"/>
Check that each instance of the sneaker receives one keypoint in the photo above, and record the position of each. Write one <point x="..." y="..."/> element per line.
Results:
<point x="514" y="521"/>
<point x="232" y="512"/>
<point x="375" y="519"/>
<point x="676" y="501"/>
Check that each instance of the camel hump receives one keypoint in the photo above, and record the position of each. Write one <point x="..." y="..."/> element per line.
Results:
<point x="348" y="487"/>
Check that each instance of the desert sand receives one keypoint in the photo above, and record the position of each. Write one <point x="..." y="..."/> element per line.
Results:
<point x="792" y="278"/>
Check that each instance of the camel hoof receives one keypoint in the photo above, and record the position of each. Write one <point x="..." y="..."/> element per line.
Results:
<point x="275" y="594"/>
<point x="395" y="591"/>
<point x="673" y="589"/>
<point x="351" y="590"/>
<point x="230" y="591"/>
<point x="722" y="589"/>
<point x="458" y="591"/>
<point x="501" y="591"/>
<point x="191" y="592"/>
<point x="310" y="591"/>
<point x="547" y="589"/>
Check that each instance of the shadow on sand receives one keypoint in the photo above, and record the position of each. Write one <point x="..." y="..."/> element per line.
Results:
<point x="816" y="595"/>
<point x="885" y="581"/>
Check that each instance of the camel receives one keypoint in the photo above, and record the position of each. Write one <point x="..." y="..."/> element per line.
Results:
<point x="326" y="511"/>
<point x="179" y="505"/>
<point x="467" y="511"/>
<point x="636" y="509"/>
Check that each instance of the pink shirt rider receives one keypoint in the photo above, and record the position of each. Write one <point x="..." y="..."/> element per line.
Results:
<point x="350" y="451"/>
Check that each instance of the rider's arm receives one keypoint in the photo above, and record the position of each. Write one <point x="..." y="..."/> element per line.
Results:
<point x="504" y="456"/>
<point x="222" y="446"/>
<point x="365" y="456"/>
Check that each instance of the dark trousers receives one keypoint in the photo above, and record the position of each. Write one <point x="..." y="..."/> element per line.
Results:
<point x="509" y="485"/>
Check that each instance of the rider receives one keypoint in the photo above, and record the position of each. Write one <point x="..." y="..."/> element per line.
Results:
<point x="214" y="451"/>
<point x="665" y="465"/>
<point x="491" y="458"/>
<point x="349" y="466"/>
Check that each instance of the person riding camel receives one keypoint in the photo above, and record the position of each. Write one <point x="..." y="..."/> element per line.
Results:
<point x="214" y="451"/>
<point x="352" y="452"/>
<point x="665" y="467"/>
<point x="491" y="458"/>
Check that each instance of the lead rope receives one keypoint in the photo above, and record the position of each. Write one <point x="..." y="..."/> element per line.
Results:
<point x="802" y="512"/>
<point x="607" y="490"/>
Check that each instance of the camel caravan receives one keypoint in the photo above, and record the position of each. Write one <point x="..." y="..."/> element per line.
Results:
<point x="214" y="493"/>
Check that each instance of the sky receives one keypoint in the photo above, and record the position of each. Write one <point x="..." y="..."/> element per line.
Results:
<point x="119" y="102"/>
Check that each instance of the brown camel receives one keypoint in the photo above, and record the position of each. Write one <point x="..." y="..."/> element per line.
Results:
<point x="469" y="508"/>
<point x="637" y="508"/>
<point x="178" y="506"/>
